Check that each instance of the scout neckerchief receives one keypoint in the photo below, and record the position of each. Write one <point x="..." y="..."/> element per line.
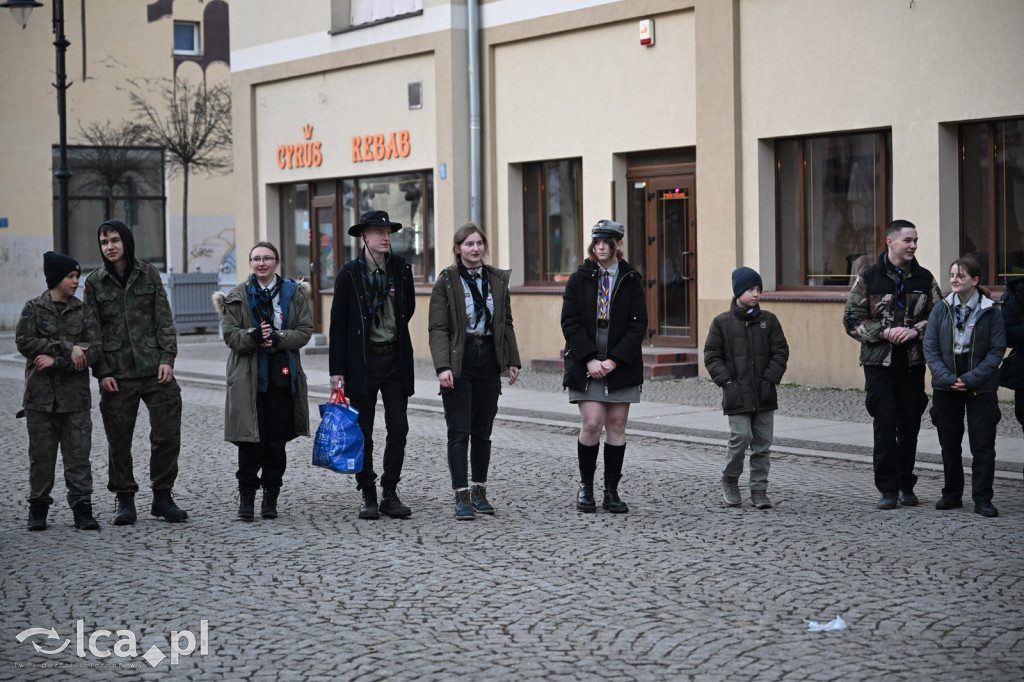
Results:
<point x="376" y="289"/>
<point x="963" y="312"/>
<point x="604" y="296"/>
<point x="263" y="310"/>
<point x="479" y="297"/>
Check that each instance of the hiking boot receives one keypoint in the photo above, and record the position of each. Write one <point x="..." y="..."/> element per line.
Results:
<point x="585" y="501"/>
<point x="986" y="509"/>
<point x="368" y="508"/>
<point x="124" y="509"/>
<point x="392" y="506"/>
<point x="907" y="498"/>
<point x="37" y="515"/>
<point x="83" y="516"/>
<point x="759" y="498"/>
<point x="887" y="500"/>
<point x="478" y="498"/>
<point x="731" y="491"/>
<point x="268" y="508"/>
<point x="612" y="503"/>
<point x="163" y="505"/>
<point x="463" y="506"/>
<point x="246" y="503"/>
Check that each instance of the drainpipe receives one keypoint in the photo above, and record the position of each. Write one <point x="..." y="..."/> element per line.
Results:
<point x="473" y="30"/>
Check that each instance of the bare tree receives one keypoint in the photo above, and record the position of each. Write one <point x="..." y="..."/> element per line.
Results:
<point x="193" y="123"/>
<point x="112" y="159"/>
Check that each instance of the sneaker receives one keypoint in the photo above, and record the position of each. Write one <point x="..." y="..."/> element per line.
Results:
<point x="887" y="500"/>
<point x="463" y="506"/>
<point x="759" y="498"/>
<point x="731" y="492"/>
<point x="478" y="498"/>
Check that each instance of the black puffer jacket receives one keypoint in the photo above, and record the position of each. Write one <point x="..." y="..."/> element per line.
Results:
<point x="746" y="356"/>
<point x="627" y="325"/>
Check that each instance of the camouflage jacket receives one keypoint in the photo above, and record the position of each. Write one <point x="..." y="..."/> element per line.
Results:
<point x="136" y="325"/>
<point x="43" y="330"/>
<point x="872" y="307"/>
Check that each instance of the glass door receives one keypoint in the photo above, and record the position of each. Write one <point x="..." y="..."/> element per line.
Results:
<point x="670" y="231"/>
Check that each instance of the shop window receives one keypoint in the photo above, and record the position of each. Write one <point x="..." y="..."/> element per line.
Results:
<point x="833" y="200"/>
<point x="992" y="197"/>
<point x="321" y="214"/>
<point x="126" y="183"/>
<point x="349" y="14"/>
<point x="552" y="220"/>
<point x="186" y="37"/>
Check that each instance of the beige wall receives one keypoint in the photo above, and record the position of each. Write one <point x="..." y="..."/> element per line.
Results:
<point x="552" y="100"/>
<point x="909" y="69"/>
<point x="118" y="44"/>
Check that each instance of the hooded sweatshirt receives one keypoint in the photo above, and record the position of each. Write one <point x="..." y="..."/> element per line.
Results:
<point x="136" y="324"/>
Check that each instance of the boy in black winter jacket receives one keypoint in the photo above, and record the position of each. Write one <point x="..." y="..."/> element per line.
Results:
<point x="746" y="354"/>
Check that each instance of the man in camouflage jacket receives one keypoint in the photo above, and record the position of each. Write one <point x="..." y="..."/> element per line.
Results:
<point x="887" y="311"/>
<point x="57" y="335"/>
<point x="139" y="346"/>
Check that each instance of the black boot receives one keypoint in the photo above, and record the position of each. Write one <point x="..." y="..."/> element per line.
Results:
<point x="368" y="509"/>
<point x="163" y="505"/>
<point x="268" y="508"/>
<point x="392" y="506"/>
<point x="125" y="510"/>
<point x="246" y="503"/>
<point x="587" y="455"/>
<point x="83" y="516"/>
<point x="37" y="515"/>
<point x="613" y="457"/>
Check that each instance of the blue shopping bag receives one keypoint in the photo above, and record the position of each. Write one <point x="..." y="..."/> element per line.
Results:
<point x="339" y="440"/>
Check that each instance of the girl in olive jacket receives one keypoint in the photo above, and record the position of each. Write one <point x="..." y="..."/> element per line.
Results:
<point x="472" y="343"/>
<point x="265" y="324"/>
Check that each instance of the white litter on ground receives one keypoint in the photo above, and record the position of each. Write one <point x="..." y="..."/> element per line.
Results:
<point x="837" y="624"/>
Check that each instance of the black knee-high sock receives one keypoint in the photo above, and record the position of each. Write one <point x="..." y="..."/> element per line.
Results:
<point x="613" y="458"/>
<point x="588" y="461"/>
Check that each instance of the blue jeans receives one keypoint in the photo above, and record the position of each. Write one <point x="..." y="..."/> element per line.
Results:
<point x="754" y="430"/>
<point x="469" y="411"/>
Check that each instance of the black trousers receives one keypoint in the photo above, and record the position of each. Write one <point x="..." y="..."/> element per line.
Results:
<point x="896" y="401"/>
<point x="274" y="415"/>
<point x="469" y="411"/>
<point x="383" y="375"/>
<point x="983" y="415"/>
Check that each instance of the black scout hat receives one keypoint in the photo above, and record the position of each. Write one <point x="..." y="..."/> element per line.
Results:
<point x="373" y="219"/>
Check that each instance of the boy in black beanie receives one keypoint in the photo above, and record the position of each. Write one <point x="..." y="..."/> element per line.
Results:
<point x="746" y="354"/>
<point x="58" y="336"/>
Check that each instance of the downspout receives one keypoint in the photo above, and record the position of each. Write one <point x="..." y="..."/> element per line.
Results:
<point x="473" y="31"/>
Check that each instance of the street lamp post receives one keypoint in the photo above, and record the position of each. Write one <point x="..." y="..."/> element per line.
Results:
<point x="21" y="10"/>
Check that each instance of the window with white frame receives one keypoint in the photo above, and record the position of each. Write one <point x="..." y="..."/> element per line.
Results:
<point x="186" y="37"/>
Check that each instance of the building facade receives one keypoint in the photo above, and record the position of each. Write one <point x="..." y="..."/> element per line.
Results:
<point x="780" y="135"/>
<point x="116" y="49"/>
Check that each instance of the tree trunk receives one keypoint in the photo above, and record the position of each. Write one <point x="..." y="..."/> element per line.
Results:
<point x="184" y="220"/>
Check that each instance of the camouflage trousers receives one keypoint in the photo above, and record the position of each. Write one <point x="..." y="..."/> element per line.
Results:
<point x="120" y="410"/>
<point x="72" y="433"/>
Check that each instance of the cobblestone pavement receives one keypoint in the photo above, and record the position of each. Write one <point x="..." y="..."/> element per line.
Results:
<point x="680" y="588"/>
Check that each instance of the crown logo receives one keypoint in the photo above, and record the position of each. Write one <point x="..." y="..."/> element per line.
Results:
<point x="307" y="131"/>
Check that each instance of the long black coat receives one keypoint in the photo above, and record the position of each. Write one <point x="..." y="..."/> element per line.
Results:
<point x="747" y="358"/>
<point x="627" y="326"/>
<point x="350" y="326"/>
<point x="1013" y="321"/>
